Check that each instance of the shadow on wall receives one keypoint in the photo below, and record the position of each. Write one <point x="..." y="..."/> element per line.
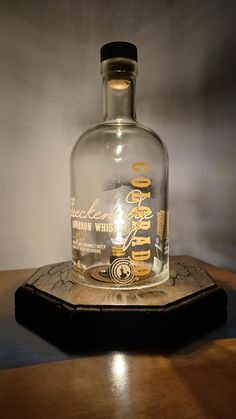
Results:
<point x="218" y="203"/>
<point x="198" y="110"/>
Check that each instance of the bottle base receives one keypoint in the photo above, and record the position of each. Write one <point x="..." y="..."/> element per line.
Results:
<point x="99" y="277"/>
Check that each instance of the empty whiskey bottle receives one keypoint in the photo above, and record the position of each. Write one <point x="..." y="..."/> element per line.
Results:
<point x="119" y="188"/>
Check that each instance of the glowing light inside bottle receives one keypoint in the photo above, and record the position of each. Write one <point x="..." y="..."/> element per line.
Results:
<point x="119" y="235"/>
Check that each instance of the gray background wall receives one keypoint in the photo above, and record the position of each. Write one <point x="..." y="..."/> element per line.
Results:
<point x="50" y="92"/>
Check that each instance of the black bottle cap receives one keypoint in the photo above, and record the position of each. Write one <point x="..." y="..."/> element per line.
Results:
<point x="119" y="49"/>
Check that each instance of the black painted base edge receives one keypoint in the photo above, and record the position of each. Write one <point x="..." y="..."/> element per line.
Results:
<point x="72" y="329"/>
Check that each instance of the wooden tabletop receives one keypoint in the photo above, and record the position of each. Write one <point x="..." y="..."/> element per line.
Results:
<point x="38" y="380"/>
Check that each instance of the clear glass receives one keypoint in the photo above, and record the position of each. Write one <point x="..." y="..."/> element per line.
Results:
<point x="119" y="193"/>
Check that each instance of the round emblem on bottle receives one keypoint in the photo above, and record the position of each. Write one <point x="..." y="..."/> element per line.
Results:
<point x="121" y="271"/>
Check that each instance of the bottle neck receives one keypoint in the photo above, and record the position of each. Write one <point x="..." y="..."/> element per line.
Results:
<point x="119" y="79"/>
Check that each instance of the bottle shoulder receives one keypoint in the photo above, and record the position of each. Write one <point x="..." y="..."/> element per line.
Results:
<point x="132" y="133"/>
<point x="150" y="132"/>
<point x="112" y="127"/>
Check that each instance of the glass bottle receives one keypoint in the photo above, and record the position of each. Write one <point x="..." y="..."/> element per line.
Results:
<point x="119" y="188"/>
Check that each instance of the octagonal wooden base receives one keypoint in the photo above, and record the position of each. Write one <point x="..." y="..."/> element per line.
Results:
<point x="56" y="306"/>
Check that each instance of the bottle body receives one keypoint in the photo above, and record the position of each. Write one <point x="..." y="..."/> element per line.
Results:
<point x="119" y="207"/>
<point x="119" y="188"/>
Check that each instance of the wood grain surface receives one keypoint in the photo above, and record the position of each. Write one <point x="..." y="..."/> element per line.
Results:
<point x="197" y="380"/>
<point x="186" y="281"/>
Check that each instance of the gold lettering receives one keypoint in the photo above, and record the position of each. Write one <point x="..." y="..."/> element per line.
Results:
<point x="97" y="215"/>
<point x="141" y="225"/>
<point x="142" y="255"/>
<point x="141" y="270"/>
<point x="140" y="166"/>
<point x="102" y="227"/>
<point x="142" y="212"/>
<point x="106" y="215"/>
<point x="139" y="241"/>
<point x="80" y="225"/>
<point x="138" y="196"/>
<point x="140" y="182"/>
<point x="92" y="208"/>
<point x="90" y="213"/>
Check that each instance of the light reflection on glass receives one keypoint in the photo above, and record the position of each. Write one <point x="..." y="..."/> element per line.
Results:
<point x="119" y="132"/>
<point x="119" y="149"/>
